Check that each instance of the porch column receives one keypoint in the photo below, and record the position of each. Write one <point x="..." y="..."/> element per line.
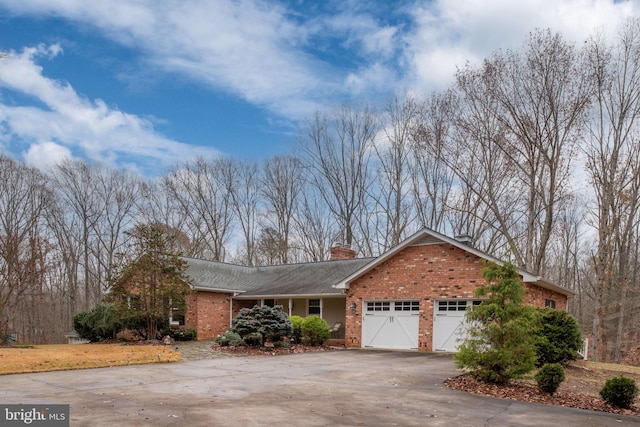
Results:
<point x="290" y="306"/>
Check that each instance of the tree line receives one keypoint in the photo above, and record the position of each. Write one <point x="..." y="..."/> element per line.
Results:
<point x="533" y="154"/>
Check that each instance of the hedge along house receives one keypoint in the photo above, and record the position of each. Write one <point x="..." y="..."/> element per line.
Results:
<point x="413" y="297"/>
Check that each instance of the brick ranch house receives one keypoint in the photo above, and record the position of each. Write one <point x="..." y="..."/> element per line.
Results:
<point x="411" y="297"/>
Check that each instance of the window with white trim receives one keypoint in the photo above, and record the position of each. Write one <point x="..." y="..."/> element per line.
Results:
<point x="314" y="308"/>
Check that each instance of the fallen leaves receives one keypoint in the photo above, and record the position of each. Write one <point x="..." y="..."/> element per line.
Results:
<point x="524" y="392"/>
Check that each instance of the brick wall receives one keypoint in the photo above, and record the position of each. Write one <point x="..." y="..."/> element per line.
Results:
<point x="208" y="313"/>
<point x="427" y="273"/>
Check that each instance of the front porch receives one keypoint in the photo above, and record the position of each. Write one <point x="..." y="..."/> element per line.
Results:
<point x="332" y="309"/>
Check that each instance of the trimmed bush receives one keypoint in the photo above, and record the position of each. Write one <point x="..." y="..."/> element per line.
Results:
<point x="315" y="330"/>
<point x="549" y="377"/>
<point x="229" y="338"/>
<point x="98" y="324"/>
<point x="296" y="322"/>
<point x="181" y="334"/>
<point x="262" y="323"/>
<point x="559" y="337"/>
<point x="619" y="391"/>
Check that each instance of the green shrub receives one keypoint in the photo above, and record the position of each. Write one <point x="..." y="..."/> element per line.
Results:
<point x="98" y="324"/>
<point x="315" y="330"/>
<point x="559" y="337"/>
<point x="296" y="322"/>
<point x="230" y="338"/>
<point x="262" y="323"/>
<point x="619" y="391"/>
<point x="181" y="334"/>
<point x="549" y="377"/>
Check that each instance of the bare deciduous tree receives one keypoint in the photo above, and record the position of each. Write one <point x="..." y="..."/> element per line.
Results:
<point x="282" y="183"/>
<point x="337" y="149"/>
<point x="614" y="166"/>
<point x="24" y="199"/>
<point x="201" y="189"/>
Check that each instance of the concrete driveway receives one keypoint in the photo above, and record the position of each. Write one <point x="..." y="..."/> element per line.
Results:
<point x="340" y="388"/>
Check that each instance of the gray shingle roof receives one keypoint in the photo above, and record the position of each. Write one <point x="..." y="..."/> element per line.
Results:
<point x="315" y="278"/>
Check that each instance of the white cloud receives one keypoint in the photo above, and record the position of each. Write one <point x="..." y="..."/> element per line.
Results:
<point x="449" y="33"/>
<point x="45" y="155"/>
<point x="253" y="49"/>
<point x="61" y="121"/>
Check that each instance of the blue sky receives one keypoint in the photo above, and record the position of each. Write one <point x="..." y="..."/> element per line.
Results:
<point x="143" y="84"/>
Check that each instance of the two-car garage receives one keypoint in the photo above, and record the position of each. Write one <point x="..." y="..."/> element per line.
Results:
<point x="396" y="324"/>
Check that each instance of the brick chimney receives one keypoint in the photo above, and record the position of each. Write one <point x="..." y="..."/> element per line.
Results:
<point x="340" y="251"/>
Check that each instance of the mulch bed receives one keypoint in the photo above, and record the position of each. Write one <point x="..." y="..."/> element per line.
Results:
<point x="273" y="351"/>
<point x="521" y="391"/>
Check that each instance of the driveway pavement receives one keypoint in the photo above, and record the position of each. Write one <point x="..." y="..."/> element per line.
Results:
<point x="340" y="388"/>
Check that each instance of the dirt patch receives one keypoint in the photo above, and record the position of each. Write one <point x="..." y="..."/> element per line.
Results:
<point x="580" y="389"/>
<point x="57" y="357"/>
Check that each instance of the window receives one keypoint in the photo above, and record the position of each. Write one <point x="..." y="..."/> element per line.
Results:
<point x="407" y="305"/>
<point x="175" y="318"/>
<point x="452" y="305"/>
<point x="176" y="315"/>
<point x="314" y="307"/>
<point x="550" y="303"/>
<point x="378" y="306"/>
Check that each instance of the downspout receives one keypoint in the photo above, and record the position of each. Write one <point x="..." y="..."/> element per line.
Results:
<point x="235" y="294"/>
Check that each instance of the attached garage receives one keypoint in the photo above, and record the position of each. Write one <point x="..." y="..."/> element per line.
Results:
<point x="448" y="323"/>
<point x="391" y="324"/>
<point x="415" y="295"/>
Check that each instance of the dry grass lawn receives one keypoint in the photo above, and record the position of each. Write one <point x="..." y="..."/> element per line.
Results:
<point x="59" y="357"/>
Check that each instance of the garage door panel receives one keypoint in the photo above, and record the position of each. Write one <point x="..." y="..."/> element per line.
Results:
<point x="376" y="329"/>
<point x="449" y="327"/>
<point x="391" y="324"/>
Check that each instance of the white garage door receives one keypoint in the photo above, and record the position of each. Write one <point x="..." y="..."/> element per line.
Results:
<point x="448" y="323"/>
<point x="391" y="324"/>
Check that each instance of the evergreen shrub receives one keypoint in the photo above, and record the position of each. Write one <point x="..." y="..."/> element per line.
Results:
<point x="619" y="391"/>
<point x="230" y="339"/>
<point x="101" y="323"/>
<point x="262" y="323"/>
<point x="559" y="337"/>
<point x="549" y="377"/>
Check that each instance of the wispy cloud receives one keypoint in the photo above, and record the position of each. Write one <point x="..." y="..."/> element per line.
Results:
<point x="253" y="49"/>
<point x="59" y="122"/>
<point x="449" y="33"/>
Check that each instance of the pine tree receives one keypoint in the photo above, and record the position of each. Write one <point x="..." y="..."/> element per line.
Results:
<point x="154" y="284"/>
<point x="500" y="344"/>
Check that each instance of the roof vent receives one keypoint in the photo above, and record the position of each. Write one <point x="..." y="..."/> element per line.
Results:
<point x="465" y="239"/>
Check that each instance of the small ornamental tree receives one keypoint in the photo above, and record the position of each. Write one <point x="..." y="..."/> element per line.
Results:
<point x="154" y="285"/>
<point x="499" y="345"/>
<point x="559" y="337"/>
<point x="262" y="323"/>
